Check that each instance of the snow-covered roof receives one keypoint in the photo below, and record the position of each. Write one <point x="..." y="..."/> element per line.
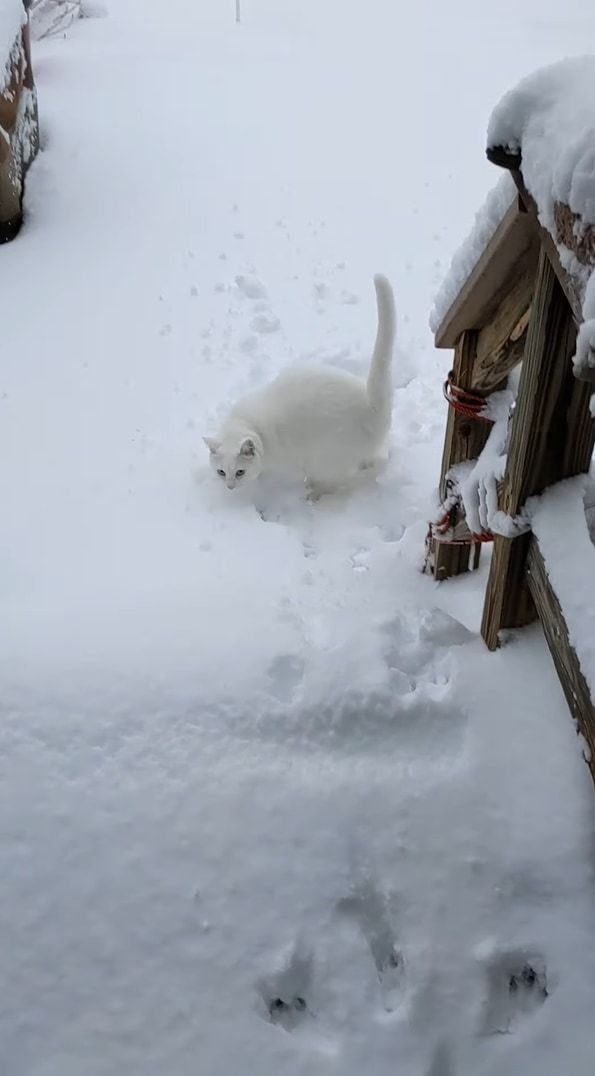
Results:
<point x="548" y="122"/>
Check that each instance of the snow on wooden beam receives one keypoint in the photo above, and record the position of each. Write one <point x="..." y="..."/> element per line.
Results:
<point x="569" y="286"/>
<point x="565" y="659"/>
<point x="19" y="134"/>
<point x="551" y="438"/>
<point x="510" y="256"/>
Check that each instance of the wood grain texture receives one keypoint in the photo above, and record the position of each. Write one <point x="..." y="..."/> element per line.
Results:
<point x="552" y="430"/>
<point x="508" y="602"/>
<point x="552" y="436"/>
<point x="510" y="253"/>
<point x="568" y="667"/>
<point x="464" y="440"/>
<point x="501" y="345"/>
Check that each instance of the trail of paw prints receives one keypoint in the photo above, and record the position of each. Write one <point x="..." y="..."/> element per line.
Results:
<point x="517" y="985"/>
<point x="369" y="909"/>
<point x="412" y="648"/>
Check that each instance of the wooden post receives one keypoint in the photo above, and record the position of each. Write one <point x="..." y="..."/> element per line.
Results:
<point x="464" y="440"/>
<point x="512" y="161"/>
<point x="567" y="664"/>
<point x="19" y="135"/>
<point x="551" y="438"/>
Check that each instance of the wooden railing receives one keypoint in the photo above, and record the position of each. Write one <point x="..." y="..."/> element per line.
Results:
<point x="519" y="303"/>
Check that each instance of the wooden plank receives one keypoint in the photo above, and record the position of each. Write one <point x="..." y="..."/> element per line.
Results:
<point x="464" y="440"/>
<point x="568" y="667"/>
<point x="513" y="245"/>
<point x="512" y="162"/>
<point x="19" y="134"/>
<point x="552" y="430"/>
<point x="501" y="345"/>
<point x="508" y="602"/>
<point x="552" y="436"/>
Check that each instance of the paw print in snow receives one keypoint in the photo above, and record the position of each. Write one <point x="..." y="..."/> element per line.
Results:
<point x="517" y="985"/>
<point x="285" y="992"/>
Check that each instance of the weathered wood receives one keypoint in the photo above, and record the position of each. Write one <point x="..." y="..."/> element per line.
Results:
<point x="464" y="440"/>
<point x="513" y="162"/>
<point x="552" y="437"/>
<point x="508" y="602"/>
<point x="510" y="254"/>
<point x="565" y="659"/>
<point x="504" y="158"/>
<point x="501" y="344"/>
<point x="574" y="233"/>
<point x="552" y="430"/>
<point x="587" y="373"/>
<point x="19" y="134"/>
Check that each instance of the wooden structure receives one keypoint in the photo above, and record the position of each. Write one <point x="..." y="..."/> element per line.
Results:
<point x="19" y="134"/>
<point x="519" y="303"/>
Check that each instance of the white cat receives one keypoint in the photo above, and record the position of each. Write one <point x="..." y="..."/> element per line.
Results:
<point x="314" y="422"/>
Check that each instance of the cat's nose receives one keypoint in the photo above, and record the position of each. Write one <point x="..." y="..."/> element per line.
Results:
<point x="231" y="485"/>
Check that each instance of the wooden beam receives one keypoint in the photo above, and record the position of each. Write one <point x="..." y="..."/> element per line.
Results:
<point x="508" y="603"/>
<point x="504" y="158"/>
<point x="552" y="436"/>
<point x="464" y="440"/>
<point x="513" y="162"/>
<point x="568" y="667"/>
<point x="501" y="344"/>
<point x="510" y="254"/>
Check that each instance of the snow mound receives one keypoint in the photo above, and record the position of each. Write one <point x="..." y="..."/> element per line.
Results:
<point x="467" y="256"/>
<point x="49" y="17"/>
<point x="549" y="119"/>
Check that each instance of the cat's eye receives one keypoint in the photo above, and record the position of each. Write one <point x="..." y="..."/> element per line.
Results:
<point x="240" y="474"/>
<point x="221" y="472"/>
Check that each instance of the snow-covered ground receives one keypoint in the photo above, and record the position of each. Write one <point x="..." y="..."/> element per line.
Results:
<point x="268" y="806"/>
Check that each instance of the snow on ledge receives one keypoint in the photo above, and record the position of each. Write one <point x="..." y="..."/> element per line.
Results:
<point x="550" y="119"/>
<point x="12" y="18"/>
<point x="467" y="256"/>
<point x="558" y="520"/>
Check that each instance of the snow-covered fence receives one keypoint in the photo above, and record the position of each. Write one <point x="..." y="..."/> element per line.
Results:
<point x="522" y="290"/>
<point x="18" y="115"/>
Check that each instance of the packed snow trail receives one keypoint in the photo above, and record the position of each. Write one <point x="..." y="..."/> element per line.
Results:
<point x="267" y="804"/>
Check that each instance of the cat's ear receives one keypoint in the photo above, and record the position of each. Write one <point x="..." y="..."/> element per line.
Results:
<point x="211" y="444"/>
<point x="248" y="450"/>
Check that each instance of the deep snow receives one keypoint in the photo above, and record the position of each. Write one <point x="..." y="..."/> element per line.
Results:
<point x="267" y="803"/>
<point x="549" y="118"/>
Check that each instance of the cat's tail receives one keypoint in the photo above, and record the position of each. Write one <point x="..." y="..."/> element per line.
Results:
<point x="380" y="387"/>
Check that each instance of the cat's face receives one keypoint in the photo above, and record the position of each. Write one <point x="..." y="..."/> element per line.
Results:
<point x="234" y="461"/>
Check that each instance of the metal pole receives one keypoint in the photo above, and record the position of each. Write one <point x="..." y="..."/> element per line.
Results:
<point x="238" y="11"/>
